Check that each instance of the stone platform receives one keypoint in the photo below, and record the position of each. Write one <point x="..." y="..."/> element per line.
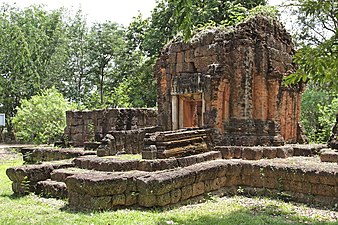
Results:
<point x="106" y="190"/>
<point x="42" y="154"/>
<point x="104" y="183"/>
<point x="329" y="155"/>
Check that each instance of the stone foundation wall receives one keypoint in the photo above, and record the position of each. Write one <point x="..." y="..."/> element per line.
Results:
<point x="83" y="126"/>
<point x="101" y="191"/>
<point x="38" y="155"/>
<point x="25" y="178"/>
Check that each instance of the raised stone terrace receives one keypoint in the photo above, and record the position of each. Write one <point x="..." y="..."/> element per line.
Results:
<point x="104" y="183"/>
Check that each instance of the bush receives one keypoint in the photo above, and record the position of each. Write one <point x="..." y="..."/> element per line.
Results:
<point x="319" y="108"/>
<point x="42" y="118"/>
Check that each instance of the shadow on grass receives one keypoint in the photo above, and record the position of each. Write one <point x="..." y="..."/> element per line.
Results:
<point x="251" y="216"/>
<point x="12" y="196"/>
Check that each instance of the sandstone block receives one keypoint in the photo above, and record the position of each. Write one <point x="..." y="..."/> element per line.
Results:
<point x="131" y="198"/>
<point x="227" y="152"/>
<point x="252" y="153"/>
<point x="324" y="190"/>
<point x="187" y="192"/>
<point x="329" y="155"/>
<point x="81" y="202"/>
<point x="164" y="199"/>
<point x="198" y="189"/>
<point x="118" y="200"/>
<point x="270" y="183"/>
<point x="237" y="152"/>
<point x="147" y="200"/>
<point x="233" y="180"/>
<point x="175" y="196"/>
<point x="97" y="184"/>
<point x="269" y="153"/>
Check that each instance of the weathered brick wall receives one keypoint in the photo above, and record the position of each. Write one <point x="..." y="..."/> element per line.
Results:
<point x="93" y="125"/>
<point x="239" y="74"/>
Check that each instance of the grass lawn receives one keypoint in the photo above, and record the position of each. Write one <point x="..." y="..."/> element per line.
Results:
<point x="227" y="210"/>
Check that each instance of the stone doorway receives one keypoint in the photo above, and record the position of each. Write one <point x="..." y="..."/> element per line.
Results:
<point x="187" y="110"/>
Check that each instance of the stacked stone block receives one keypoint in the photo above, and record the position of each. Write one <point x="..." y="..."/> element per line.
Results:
<point x="84" y="126"/>
<point x="42" y="154"/>
<point x="170" y="187"/>
<point x="177" y="143"/>
<point x="124" y="141"/>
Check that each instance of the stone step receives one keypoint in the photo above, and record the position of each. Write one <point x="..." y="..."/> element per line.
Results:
<point x="60" y="175"/>
<point x="176" y="143"/>
<point x="51" y="189"/>
<point x="309" y="182"/>
<point x="307" y="150"/>
<point x="91" y="145"/>
<point x="114" y="164"/>
<point x="329" y="155"/>
<point x="26" y="177"/>
<point x="43" y="154"/>
<point x="178" y="135"/>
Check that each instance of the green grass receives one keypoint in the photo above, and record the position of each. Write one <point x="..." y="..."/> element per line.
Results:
<point x="125" y="156"/>
<point x="32" y="209"/>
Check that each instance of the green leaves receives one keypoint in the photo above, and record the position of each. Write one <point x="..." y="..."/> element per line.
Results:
<point x="319" y="107"/>
<point x="42" y="118"/>
<point x="30" y="39"/>
<point x="317" y="58"/>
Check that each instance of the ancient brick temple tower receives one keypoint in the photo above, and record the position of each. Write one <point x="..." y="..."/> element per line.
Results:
<point x="231" y="80"/>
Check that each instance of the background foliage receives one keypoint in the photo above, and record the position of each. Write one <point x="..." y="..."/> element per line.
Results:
<point x="319" y="107"/>
<point x="42" y="118"/>
<point x="108" y="65"/>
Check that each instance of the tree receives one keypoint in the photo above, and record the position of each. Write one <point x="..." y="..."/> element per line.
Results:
<point x="105" y="42"/>
<point x="76" y="80"/>
<point x="30" y="40"/>
<point x="318" y="113"/>
<point x="146" y="38"/>
<point x="317" y="58"/>
<point x="42" y="118"/>
<point x="217" y="11"/>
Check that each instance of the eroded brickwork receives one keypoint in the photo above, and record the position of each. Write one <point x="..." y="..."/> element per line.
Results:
<point x="83" y="126"/>
<point x="238" y="74"/>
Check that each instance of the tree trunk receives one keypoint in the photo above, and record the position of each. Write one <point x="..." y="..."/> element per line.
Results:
<point x="101" y="85"/>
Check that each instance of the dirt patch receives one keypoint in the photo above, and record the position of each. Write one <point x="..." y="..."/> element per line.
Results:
<point x="8" y="154"/>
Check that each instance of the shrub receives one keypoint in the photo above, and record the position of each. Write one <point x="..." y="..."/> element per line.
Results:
<point x="319" y="107"/>
<point x="42" y="118"/>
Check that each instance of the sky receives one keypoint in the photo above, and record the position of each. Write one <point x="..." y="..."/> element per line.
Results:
<point x="120" y="11"/>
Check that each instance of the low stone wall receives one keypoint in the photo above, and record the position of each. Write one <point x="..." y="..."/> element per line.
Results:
<point x="83" y="126"/>
<point x="25" y="178"/>
<point x="39" y="154"/>
<point x="268" y="152"/>
<point x="113" y="164"/>
<point x="101" y="191"/>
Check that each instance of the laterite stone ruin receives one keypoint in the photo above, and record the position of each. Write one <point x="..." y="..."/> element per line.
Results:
<point x="230" y="80"/>
<point x="224" y="122"/>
